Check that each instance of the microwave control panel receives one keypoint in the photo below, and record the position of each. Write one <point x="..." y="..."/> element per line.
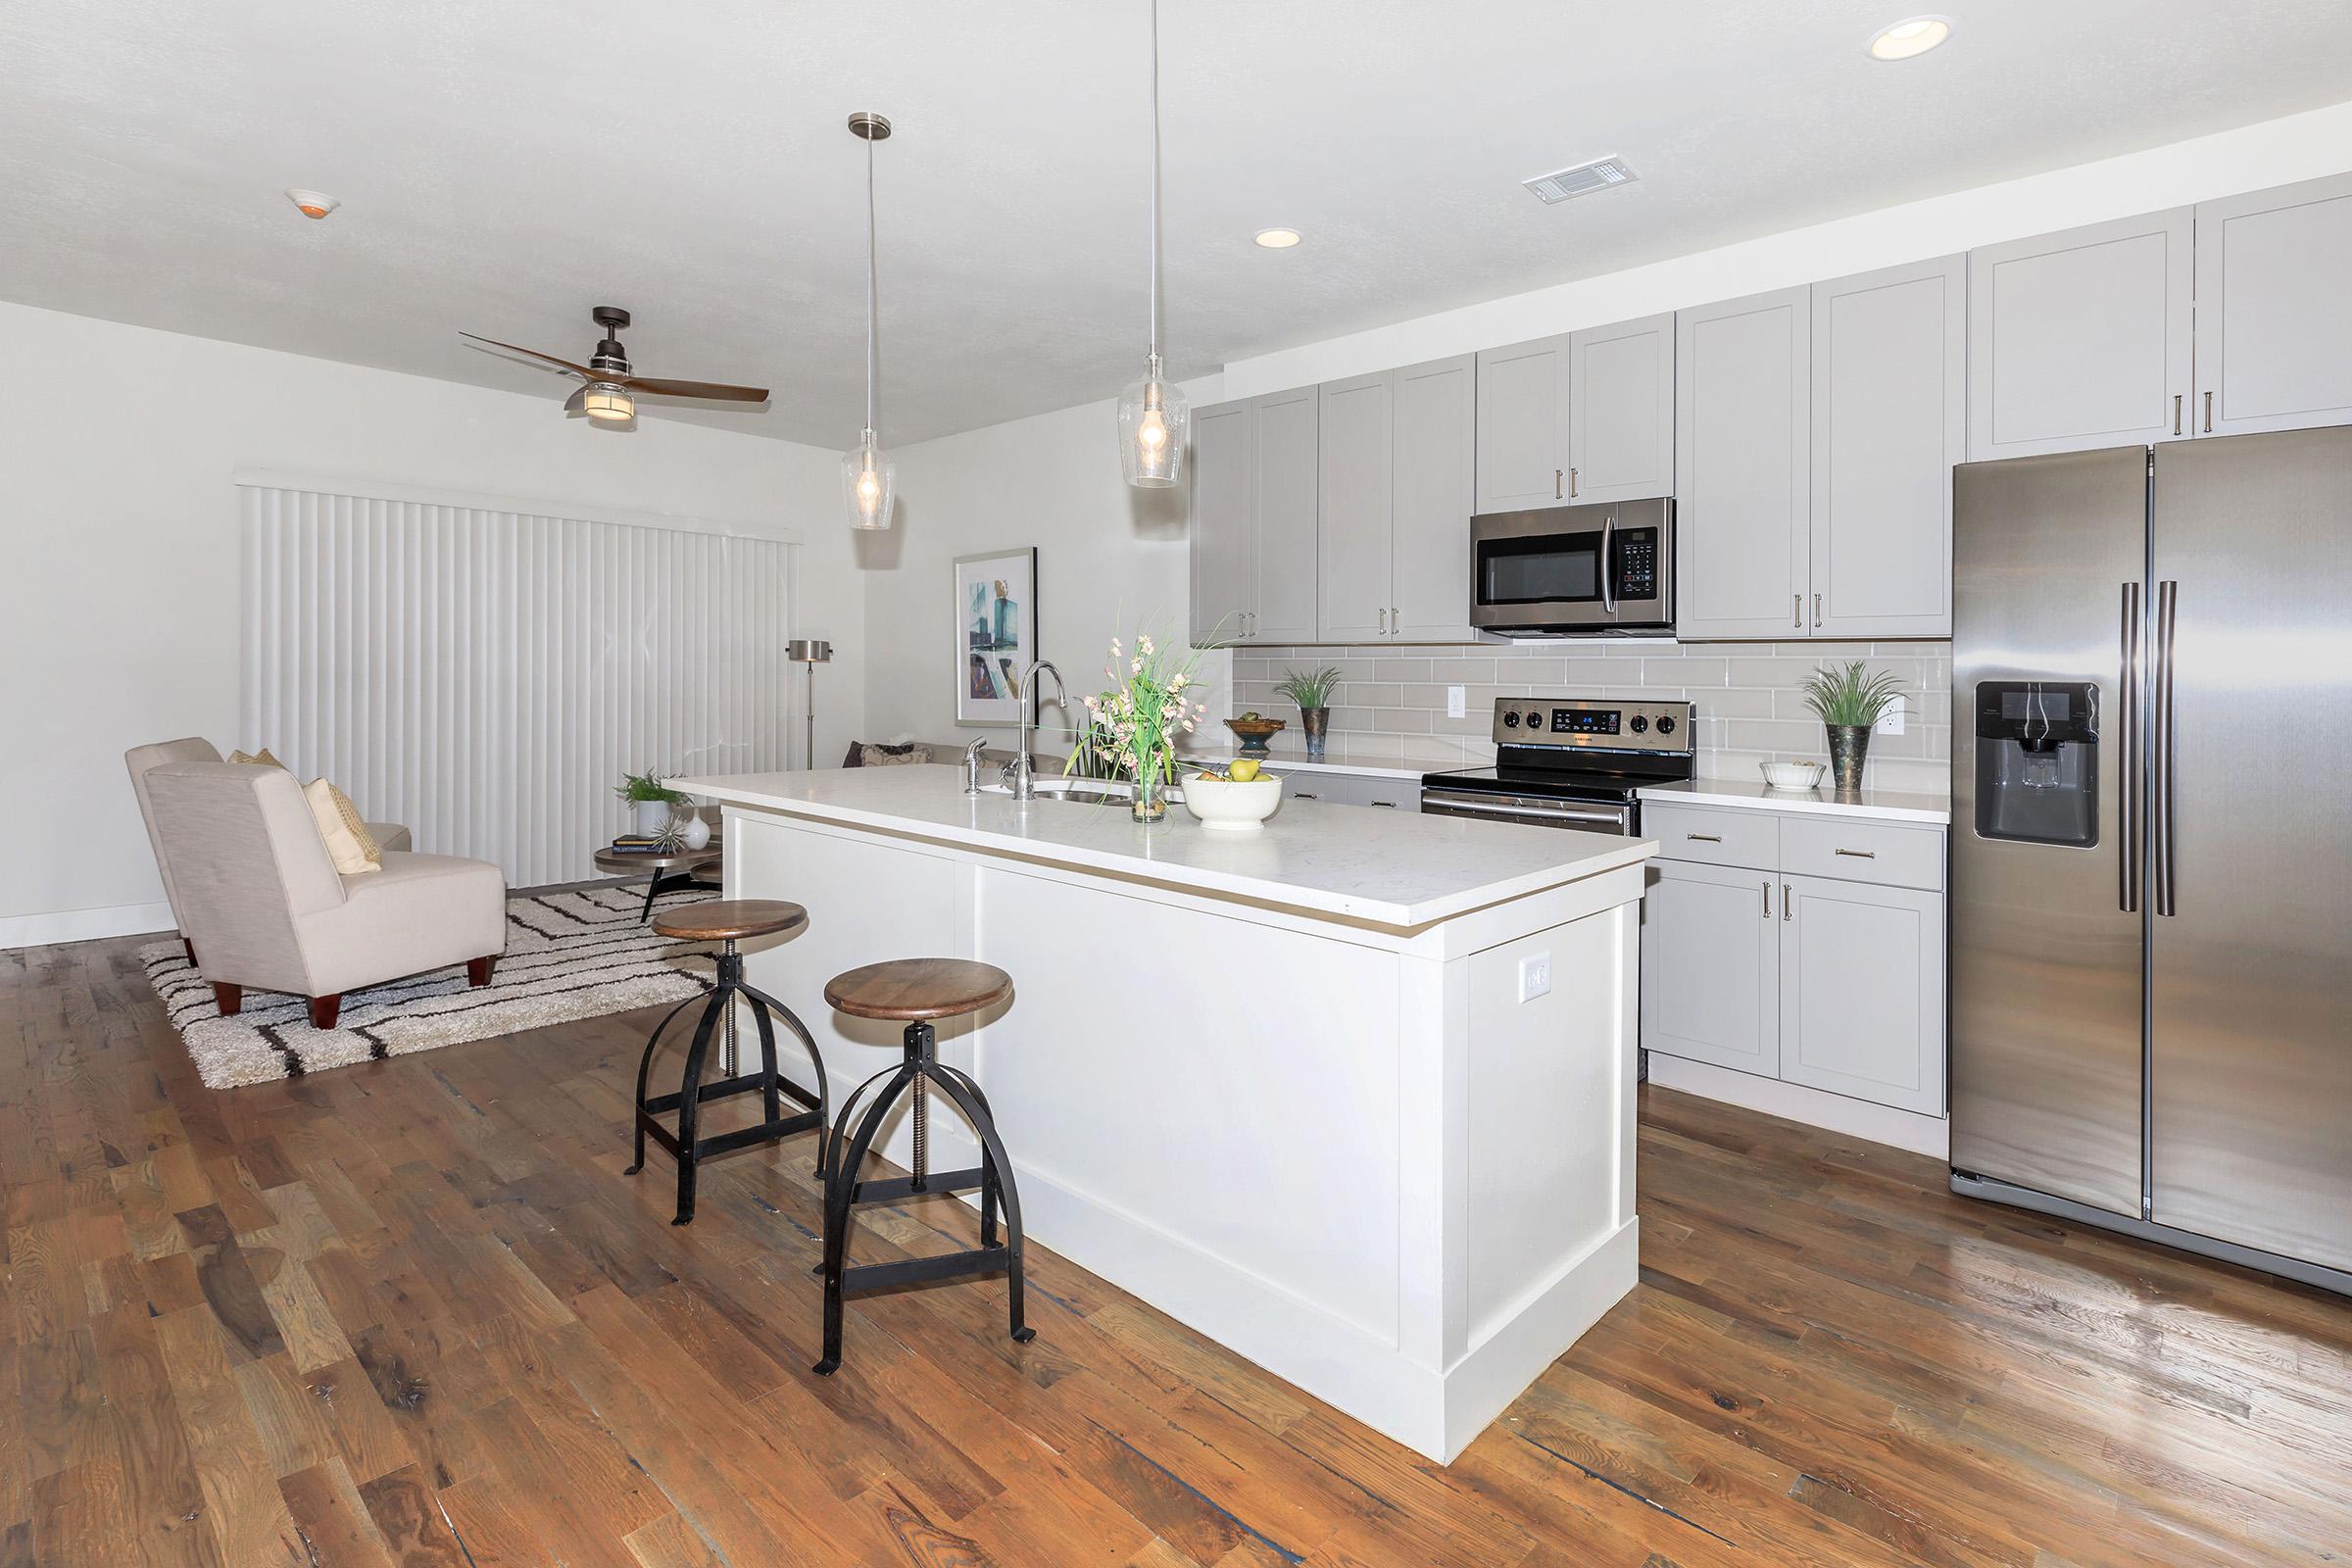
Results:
<point x="1638" y="564"/>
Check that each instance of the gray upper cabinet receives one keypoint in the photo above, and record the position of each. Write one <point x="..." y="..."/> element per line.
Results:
<point x="1742" y="451"/>
<point x="1358" y="419"/>
<point x="2274" y="316"/>
<point x="1433" y="491"/>
<point x="1523" y="427"/>
<point x="1285" y="483"/>
<point x="1621" y="410"/>
<point x="1889" y="419"/>
<point x="2082" y="339"/>
<point x="1224" y="524"/>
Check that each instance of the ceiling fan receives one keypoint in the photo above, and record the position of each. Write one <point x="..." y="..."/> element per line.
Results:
<point x="608" y="382"/>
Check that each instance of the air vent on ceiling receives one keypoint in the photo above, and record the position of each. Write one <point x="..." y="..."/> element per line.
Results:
<point x="1582" y="181"/>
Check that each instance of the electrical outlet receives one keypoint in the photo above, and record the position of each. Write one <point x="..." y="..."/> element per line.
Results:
<point x="1891" y="722"/>
<point x="1534" y="976"/>
<point x="1456" y="702"/>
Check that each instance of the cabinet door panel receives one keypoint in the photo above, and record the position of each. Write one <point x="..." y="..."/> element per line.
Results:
<point x="1889" y="419"/>
<point x="1523" y="427"/>
<point x="1434" y="490"/>
<point x="2274" y="318"/>
<point x="1224" y="521"/>
<point x="1862" y="992"/>
<point x="2083" y="339"/>
<point x="1621" y="410"/>
<point x="1285" y="475"/>
<point x="1743" y="447"/>
<point x="1710" y="965"/>
<point x="1353" y="500"/>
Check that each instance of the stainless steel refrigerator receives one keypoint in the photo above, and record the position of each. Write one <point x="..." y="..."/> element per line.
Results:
<point x="2152" y="843"/>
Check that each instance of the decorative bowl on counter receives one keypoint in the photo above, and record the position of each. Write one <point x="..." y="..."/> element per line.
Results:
<point x="1792" y="776"/>
<point x="1253" y="732"/>
<point x="1229" y="805"/>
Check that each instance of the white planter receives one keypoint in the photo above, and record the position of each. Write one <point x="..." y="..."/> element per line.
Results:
<point x="652" y="817"/>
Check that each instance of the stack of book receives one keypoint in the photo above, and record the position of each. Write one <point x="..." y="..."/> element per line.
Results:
<point x="645" y="843"/>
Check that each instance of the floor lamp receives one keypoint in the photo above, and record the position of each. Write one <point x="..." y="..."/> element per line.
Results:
<point x="811" y="652"/>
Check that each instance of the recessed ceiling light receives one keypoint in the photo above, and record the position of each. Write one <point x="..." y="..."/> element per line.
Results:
<point x="1915" y="35"/>
<point x="1278" y="239"/>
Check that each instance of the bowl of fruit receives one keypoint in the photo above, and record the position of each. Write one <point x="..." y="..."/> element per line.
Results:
<point x="1235" y="799"/>
<point x="1253" y="732"/>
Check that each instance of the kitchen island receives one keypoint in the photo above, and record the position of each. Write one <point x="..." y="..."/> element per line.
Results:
<point x="1351" y="1095"/>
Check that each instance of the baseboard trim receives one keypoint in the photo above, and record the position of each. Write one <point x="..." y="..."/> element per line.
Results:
<point x="1815" y="1107"/>
<point x="84" y="925"/>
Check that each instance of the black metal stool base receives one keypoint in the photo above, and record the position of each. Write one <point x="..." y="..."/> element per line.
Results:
<point x="692" y="1093"/>
<point x="992" y="1178"/>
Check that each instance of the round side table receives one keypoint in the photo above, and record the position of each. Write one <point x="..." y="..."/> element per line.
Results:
<point x="671" y="870"/>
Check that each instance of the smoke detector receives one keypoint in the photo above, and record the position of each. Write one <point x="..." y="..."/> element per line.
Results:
<point x="1581" y="180"/>
<point x="312" y="203"/>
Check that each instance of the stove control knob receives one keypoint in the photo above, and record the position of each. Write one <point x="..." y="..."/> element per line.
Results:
<point x="1510" y="721"/>
<point x="1535" y="720"/>
<point x="1640" y="723"/>
<point x="1665" y="726"/>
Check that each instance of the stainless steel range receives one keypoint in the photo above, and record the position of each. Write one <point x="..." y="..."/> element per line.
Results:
<point x="1569" y="762"/>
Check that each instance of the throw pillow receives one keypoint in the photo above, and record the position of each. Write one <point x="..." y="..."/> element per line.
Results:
<point x="373" y="851"/>
<point x="342" y="846"/>
<point x="262" y="758"/>
<point x="872" y="756"/>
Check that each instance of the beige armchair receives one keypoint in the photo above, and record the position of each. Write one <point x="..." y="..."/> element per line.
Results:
<point x="258" y="895"/>
<point x="139" y="758"/>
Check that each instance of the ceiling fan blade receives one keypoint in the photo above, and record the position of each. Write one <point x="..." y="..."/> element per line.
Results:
<point x="716" y="391"/>
<point x="566" y="364"/>
<point x="577" y="403"/>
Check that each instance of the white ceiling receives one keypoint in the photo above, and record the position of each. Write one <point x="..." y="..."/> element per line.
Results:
<point x="505" y="166"/>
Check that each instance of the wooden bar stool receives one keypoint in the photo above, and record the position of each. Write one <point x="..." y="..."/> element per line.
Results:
<point x="918" y="990"/>
<point x="728" y="920"/>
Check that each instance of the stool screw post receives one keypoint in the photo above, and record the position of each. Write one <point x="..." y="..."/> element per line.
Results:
<point x="732" y="974"/>
<point x="918" y="1050"/>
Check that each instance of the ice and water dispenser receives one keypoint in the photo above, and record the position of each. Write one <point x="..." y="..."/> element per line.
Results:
<point x="2037" y="762"/>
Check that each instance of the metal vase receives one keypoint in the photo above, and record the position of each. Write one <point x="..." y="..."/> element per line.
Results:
<point x="1315" y="722"/>
<point x="1849" y="747"/>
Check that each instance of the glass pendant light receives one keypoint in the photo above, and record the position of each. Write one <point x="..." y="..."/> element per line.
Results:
<point x="1154" y="420"/>
<point x="867" y="472"/>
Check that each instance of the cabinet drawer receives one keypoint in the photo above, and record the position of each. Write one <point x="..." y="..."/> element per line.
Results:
<point x="1863" y="851"/>
<point x="1714" y="838"/>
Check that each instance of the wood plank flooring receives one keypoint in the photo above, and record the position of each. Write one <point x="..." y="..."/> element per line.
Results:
<point x="412" y="1314"/>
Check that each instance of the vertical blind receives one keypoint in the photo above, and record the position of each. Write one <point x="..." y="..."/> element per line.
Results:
<point x="486" y="677"/>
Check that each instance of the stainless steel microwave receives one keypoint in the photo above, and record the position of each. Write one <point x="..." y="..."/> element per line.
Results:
<point x="1568" y="572"/>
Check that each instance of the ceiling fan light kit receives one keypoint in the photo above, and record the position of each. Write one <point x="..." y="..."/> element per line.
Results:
<point x="868" y="476"/>
<point x="610" y="384"/>
<point x="1153" y="417"/>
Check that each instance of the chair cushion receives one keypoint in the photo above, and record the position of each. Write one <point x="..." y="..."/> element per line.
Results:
<point x="418" y="912"/>
<point x="390" y="836"/>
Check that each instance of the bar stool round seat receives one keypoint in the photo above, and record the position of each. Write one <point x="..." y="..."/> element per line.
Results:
<point x="730" y="919"/>
<point x="917" y="992"/>
<point x="908" y="989"/>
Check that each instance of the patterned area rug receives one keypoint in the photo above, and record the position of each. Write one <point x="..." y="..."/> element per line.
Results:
<point x="570" y="954"/>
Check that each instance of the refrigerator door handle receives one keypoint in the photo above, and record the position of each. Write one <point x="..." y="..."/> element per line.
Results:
<point x="2131" y="845"/>
<point x="2166" y="749"/>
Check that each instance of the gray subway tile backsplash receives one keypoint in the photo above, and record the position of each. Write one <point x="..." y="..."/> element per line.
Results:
<point x="1392" y="701"/>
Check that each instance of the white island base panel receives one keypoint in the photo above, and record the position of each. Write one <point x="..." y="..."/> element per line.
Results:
<point x="1347" y="1152"/>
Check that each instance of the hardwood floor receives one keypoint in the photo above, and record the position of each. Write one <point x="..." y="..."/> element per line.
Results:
<point x="410" y="1313"/>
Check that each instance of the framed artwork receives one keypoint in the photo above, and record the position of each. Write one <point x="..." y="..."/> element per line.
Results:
<point x="995" y="634"/>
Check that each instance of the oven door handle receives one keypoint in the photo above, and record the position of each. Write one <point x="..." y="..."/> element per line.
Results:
<point x="1609" y="815"/>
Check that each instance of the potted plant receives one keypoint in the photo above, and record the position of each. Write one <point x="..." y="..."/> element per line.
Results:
<point x="654" y="801"/>
<point x="1850" y="700"/>
<point x="1132" y="725"/>
<point x="1311" y="691"/>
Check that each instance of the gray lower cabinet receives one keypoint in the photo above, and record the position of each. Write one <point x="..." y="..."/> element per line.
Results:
<point x="1523" y="402"/>
<point x="1621" y="410"/>
<point x="1351" y="789"/>
<point x="2274" y="323"/>
<point x="1861" y="1004"/>
<point x="1889" y="387"/>
<point x="1742" y="454"/>
<point x="1710" y="965"/>
<point x="2083" y="339"/>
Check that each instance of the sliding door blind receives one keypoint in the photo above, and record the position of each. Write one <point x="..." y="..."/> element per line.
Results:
<point x="486" y="677"/>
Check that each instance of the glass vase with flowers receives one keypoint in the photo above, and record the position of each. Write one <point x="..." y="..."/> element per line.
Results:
<point x="1133" y="724"/>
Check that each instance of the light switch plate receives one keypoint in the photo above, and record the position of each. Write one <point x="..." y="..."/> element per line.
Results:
<point x="1455" y="704"/>
<point x="1891" y="722"/>
<point x="1534" y="976"/>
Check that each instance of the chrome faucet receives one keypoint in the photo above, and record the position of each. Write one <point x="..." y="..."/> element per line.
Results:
<point x="971" y="766"/>
<point x="1020" y="774"/>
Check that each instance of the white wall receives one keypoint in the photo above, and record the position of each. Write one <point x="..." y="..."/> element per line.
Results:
<point x="1054" y="481"/>
<point x="118" y="593"/>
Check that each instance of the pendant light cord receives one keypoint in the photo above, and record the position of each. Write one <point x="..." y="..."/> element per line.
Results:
<point x="871" y="294"/>
<point x="1155" y="187"/>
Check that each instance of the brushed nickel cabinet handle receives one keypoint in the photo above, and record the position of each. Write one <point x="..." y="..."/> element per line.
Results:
<point x="1788" y="904"/>
<point x="1306" y="794"/>
<point x="1817" y="610"/>
<point x="1572" y="484"/>
<point x="1705" y="838"/>
<point x="1556" y="486"/>
<point x="1395" y="621"/>
<point x="2209" y="414"/>
<point x="2176" y="414"/>
<point x="1858" y="854"/>
<point x="1767" y="900"/>
<point x="1797" y="616"/>
<point x="1391" y="805"/>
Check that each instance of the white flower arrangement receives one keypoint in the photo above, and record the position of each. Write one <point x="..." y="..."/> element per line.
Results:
<point x="1131" y="724"/>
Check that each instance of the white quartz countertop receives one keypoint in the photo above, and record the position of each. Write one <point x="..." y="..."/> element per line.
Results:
<point x="1889" y="806"/>
<point x="1391" y="868"/>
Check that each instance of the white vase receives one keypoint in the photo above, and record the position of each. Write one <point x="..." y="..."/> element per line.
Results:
<point x="652" y="818"/>
<point x="698" y="832"/>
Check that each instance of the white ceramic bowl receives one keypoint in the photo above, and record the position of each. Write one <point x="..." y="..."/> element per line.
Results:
<point x="1792" y="776"/>
<point x="1226" y="806"/>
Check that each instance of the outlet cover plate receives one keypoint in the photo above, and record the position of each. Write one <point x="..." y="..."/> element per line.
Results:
<point x="1891" y="722"/>
<point x="1456" y="703"/>
<point x="1534" y="976"/>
